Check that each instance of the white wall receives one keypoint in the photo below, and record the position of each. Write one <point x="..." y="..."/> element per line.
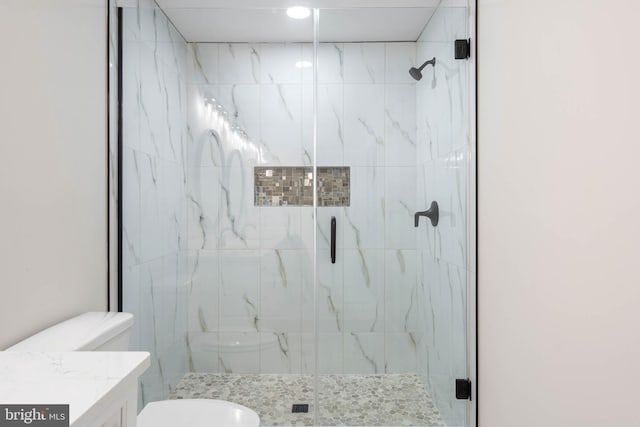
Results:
<point x="53" y="250"/>
<point x="559" y="238"/>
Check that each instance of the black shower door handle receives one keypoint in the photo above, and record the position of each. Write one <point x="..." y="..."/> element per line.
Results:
<point x="333" y="240"/>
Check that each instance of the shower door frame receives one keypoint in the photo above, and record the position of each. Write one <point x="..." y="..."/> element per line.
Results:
<point x="472" y="219"/>
<point x="114" y="290"/>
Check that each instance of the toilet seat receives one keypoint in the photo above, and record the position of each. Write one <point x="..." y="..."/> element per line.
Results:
<point x="197" y="413"/>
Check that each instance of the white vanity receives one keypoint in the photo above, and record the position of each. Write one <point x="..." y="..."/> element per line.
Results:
<point x="100" y="387"/>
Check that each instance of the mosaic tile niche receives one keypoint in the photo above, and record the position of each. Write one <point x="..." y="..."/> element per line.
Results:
<point x="293" y="186"/>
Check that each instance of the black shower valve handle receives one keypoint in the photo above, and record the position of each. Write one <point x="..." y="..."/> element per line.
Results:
<point x="433" y="213"/>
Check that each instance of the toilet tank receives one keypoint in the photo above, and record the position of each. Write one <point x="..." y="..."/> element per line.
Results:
<point x="94" y="331"/>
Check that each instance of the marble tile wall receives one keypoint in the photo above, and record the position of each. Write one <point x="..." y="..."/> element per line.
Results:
<point x="366" y="114"/>
<point x="154" y="194"/>
<point x="237" y="281"/>
<point x="443" y="154"/>
<point x="233" y="280"/>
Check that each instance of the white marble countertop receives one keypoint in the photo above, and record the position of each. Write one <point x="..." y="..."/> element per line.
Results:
<point x="80" y="379"/>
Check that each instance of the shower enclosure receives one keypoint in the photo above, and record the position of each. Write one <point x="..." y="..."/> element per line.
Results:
<point x="270" y="173"/>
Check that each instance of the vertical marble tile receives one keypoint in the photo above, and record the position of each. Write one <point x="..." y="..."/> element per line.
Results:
<point x="241" y="102"/>
<point x="364" y="125"/>
<point x="364" y="304"/>
<point x="240" y="290"/>
<point x="307" y="223"/>
<point x="451" y="236"/>
<point x="307" y="302"/>
<point x="239" y="63"/>
<point x="281" y="289"/>
<point x="131" y="76"/>
<point x="131" y="298"/>
<point x="240" y="219"/>
<point x="401" y="354"/>
<point x="280" y="228"/>
<point x="148" y="318"/>
<point x="364" y="220"/>
<point x="400" y="232"/>
<point x="239" y="352"/>
<point x="153" y="118"/>
<point x="204" y="208"/>
<point x="151" y="237"/>
<point x="331" y="351"/>
<point x="280" y="352"/>
<point x="330" y="291"/>
<point x="281" y="63"/>
<point x="307" y="132"/>
<point x="281" y="122"/>
<point x="204" y="143"/>
<point x="155" y="134"/>
<point x="364" y="353"/>
<point x="203" y="63"/>
<point x="203" y="352"/>
<point x="425" y="137"/>
<point x="364" y="62"/>
<point x="307" y="65"/>
<point x="401" y="302"/>
<point x="307" y="352"/>
<point x="330" y="63"/>
<point x="331" y="138"/>
<point x="445" y="99"/>
<point x="173" y="208"/>
<point x="131" y="221"/>
<point x="164" y="288"/>
<point x="203" y="291"/>
<point x="399" y="58"/>
<point x="400" y="125"/>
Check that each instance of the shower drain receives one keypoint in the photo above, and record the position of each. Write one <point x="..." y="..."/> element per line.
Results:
<point x="300" y="407"/>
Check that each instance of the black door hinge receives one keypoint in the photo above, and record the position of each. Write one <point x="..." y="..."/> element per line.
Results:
<point x="463" y="389"/>
<point x="463" y="49"/>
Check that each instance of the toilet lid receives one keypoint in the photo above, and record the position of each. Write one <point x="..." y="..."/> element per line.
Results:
<point x="197" y="413"/>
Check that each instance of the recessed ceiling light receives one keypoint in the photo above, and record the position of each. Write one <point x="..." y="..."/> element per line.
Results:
<point x="298" y="12"/>
<point x="304" y="64"/>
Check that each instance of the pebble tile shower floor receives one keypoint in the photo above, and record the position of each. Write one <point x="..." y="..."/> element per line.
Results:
<point x="345" y="400"/>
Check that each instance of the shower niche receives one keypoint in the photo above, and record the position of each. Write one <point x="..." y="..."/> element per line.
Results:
<point x="271" y="169"/>
<point x="293" y="186"/>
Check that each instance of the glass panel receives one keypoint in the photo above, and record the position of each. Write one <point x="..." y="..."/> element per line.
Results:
<point x="154" y="188"/>
<point x="235" y="283"/>
<point x="392" y="308"/>
<point x="218" y="226"/>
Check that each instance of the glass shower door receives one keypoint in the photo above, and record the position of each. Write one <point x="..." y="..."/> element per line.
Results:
<point x="270" y="183"/>
<point x="391" y="306"/>
<point x="251" y="122"/>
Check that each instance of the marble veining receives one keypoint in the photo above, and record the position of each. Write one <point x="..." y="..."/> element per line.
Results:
<point x="442" y="150"/>
<point x="155" y="198"/>
<point x="395" y="297"/>
<point x="345" y="400"/>
<point x="79" y="379"/>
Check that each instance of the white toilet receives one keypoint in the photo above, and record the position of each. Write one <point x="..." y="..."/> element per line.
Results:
<point x="99" y="331"/>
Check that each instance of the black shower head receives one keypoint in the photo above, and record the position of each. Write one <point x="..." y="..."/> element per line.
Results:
<point x="416" y="73"/>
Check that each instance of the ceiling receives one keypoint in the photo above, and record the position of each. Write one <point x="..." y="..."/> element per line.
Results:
<point x="266" y="20"/>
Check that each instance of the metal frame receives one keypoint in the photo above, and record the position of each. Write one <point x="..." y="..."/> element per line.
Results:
<point x="114" y="293"/>
<point x="114" y="93"/>
<point x="472" y="237"/>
